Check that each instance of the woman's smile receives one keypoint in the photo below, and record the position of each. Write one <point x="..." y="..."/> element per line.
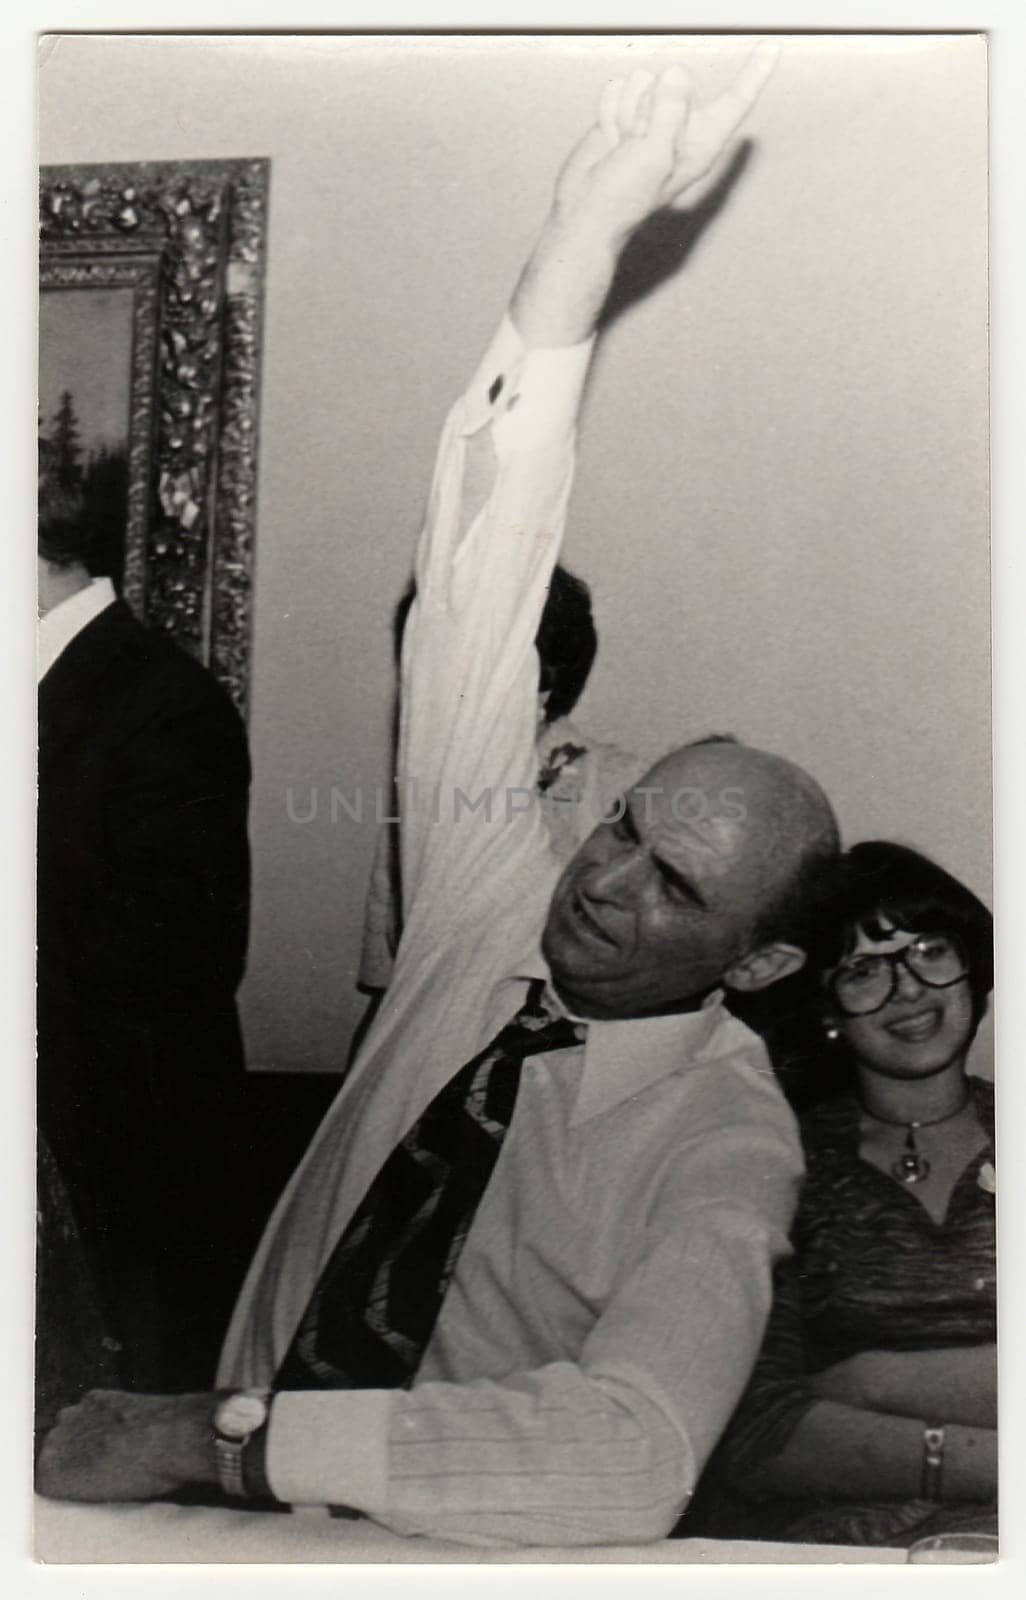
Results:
<point x="917" y="1027"/>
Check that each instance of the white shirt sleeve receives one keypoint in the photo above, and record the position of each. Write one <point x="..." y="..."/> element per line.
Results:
<point x="471" y="884"/>
<point x="467" y="759"/>
<point x="606" y="1449"/>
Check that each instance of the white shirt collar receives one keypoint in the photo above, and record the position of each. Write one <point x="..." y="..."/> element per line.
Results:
<point x="57" y="629"/>
<point x="626" y="1056"/>
<point x="623" y="1058"/>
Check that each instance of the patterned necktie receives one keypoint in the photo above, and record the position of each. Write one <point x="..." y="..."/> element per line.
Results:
<point x="379" y="1294"/>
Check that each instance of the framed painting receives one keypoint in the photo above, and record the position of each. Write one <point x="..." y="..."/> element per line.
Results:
<point x="151" y="294"/>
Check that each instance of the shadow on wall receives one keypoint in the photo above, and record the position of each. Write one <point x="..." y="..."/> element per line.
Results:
<point x="659" y="249"/>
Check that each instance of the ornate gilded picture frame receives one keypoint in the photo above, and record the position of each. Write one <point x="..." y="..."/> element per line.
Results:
<point x="149" y="383"/>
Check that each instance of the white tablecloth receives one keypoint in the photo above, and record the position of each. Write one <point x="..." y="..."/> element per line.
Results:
<point x="67" y="1533"/>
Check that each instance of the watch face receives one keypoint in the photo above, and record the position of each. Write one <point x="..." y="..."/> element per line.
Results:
<point x="239" y="1415"/>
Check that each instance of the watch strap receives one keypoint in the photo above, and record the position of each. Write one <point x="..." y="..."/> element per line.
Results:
<point x="228" y="1453"/>
<point x="253" y="1455"/>
<point x="933" y="1462"/>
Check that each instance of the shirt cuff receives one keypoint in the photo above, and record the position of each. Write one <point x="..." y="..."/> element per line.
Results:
<point x="539" y="383"/>
<point x="329" y="1447"/>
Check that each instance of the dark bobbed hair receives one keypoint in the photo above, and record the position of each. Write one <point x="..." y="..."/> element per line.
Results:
<point x="881" y="880"/>
<point x="566" y="640"/>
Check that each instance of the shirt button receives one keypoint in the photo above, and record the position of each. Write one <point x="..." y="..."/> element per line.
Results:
<point x="979" y="1283"/>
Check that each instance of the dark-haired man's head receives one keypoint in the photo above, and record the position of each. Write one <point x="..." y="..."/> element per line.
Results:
<point x="566" y="641"/>
<point x="700" y="881"/>
<point x="63" y="538"/>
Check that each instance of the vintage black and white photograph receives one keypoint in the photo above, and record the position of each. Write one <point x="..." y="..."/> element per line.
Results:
<point x="515" y="1064"/>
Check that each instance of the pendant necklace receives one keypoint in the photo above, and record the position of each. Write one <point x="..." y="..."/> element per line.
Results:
<point x="912" y="1166"/>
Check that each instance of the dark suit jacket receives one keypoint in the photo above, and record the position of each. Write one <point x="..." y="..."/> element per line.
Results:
<point x="143" y="905"/>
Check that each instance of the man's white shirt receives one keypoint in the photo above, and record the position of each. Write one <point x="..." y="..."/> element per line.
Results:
<point x="611" y="1296"/>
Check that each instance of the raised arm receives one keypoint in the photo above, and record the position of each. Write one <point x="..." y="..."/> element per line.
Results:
<point x="469" y="692"/>
<point x="502" y="485"/>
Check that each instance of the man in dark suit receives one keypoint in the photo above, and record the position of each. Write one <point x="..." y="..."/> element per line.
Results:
<point x="143" y="905"/>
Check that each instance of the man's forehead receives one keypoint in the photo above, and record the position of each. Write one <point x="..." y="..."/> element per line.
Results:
<point x="684" y="786"/>
<point x="706" y="843"/>
<point x="691" y="828"/>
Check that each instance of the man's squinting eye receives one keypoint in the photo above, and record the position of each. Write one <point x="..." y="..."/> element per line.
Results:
<point x="672" y="889"/>
<point x="677" y="888"/>
<point x="621" y="822"/>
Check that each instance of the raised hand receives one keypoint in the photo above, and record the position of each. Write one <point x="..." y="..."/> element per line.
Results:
<point x="649" y="147"/>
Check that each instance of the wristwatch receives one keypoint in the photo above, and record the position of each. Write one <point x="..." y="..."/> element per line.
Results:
<point x="237" y="1417"/>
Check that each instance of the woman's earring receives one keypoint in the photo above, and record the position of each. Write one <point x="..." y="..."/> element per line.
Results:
<point x="833" y="1033"/>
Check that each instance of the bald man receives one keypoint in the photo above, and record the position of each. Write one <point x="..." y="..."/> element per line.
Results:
<point x="517" y="1284"/>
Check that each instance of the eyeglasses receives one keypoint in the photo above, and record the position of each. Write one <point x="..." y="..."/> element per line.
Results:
<point x="865" y="983"/>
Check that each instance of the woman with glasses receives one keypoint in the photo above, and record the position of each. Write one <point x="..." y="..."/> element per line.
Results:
<point x="870" y="1416"/>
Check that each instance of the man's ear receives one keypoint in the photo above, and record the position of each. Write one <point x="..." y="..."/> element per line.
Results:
<point x="764" y="966"/>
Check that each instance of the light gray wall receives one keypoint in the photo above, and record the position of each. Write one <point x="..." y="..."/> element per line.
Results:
<point x="782" y="493"/>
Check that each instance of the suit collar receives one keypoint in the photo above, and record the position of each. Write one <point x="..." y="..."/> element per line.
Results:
<point x="61" y="626"/>
<point x="68" y="693"/>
